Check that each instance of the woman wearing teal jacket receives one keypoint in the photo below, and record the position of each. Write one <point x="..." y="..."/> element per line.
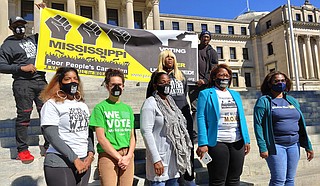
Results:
<point x="222" y="128"/>
<point x="280" y="129"/>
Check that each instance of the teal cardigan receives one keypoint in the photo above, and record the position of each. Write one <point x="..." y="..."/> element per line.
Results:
<point x="208" y="115"/>
<point x="263" y="126"/>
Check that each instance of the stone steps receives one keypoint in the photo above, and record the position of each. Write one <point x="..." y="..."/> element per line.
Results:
<point x="13" y="172"/>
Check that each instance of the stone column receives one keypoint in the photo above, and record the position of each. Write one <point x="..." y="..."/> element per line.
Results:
<point x="102" y="11"/>
<point x="71" y="6"/>
<point x="305" y="60"/>
<point x="296" y="39"/>
<point x="36" y="17"/>
<point x="130" y="18"/>
<point x="309" y="57"/>
<point x="318" y="56"/>
<point x="4" y="20"/>
<point x="156" y="15"/>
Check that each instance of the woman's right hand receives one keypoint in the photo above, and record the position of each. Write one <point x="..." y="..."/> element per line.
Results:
<point x="201" y="150"/>
<point x="264" y="155"/>
<point x="80" y="166"/>
<point x="158" y="168"/>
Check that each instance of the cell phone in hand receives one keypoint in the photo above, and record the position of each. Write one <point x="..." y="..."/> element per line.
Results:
<point x="206" y="158"/>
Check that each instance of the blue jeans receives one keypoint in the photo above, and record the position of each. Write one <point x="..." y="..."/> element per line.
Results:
<point x="283" y="165"/>
<point x="170" y="182"/>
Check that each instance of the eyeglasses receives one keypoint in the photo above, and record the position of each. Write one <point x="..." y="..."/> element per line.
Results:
<point x="279" y="80"/>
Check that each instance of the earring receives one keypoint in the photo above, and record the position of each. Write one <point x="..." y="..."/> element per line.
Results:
<point x="62" y="93"/>
<point x="78" y="98"/>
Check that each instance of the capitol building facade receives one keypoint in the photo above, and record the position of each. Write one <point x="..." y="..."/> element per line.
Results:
<point x="252" y="44"/>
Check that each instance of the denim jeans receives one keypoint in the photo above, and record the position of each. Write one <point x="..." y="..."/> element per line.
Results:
<point x="171" y="182"/>
<point x="283" y="165"/>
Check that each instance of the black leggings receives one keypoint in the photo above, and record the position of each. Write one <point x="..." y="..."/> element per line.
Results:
<point x="65" y="176"/>
<point x="226" y="165"/>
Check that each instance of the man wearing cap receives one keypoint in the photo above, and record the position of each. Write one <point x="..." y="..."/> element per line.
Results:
<point x="207" y="58"/>
<point x="17" y="57"/>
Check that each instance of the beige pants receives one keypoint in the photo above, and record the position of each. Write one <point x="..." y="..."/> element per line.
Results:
<point x="111" y="174"/>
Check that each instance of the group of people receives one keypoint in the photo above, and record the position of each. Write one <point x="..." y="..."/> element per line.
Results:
<point x="165" y="118"/>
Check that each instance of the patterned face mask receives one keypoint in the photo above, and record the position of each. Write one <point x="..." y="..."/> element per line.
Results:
<point x="70" y="88"/>
<point x="164" y="89"/>
<point x="20" y="30"/>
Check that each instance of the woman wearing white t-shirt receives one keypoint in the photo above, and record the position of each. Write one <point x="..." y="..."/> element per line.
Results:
<point x="222" y="128"/>
<point x="65" y="121"/>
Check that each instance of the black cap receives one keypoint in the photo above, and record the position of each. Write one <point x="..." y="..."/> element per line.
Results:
<point x="204" y="32"/>
<point x="16" y="19"/>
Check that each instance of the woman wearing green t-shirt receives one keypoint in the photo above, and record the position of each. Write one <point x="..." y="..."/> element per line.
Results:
<point x="113" y="122"/>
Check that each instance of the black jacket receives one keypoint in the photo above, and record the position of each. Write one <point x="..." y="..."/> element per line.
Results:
<point x="212" y="57"/>
<point x="15" y="53"/>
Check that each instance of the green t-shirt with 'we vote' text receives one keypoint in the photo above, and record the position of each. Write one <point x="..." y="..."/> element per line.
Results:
<point x="117" y="120"/>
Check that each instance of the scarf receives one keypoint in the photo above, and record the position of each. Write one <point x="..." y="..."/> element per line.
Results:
<point x="176" y="132"/>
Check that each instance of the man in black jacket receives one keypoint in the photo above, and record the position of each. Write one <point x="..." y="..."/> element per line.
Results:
<point x="207" y="58"/>
<point x="17" y="57"/>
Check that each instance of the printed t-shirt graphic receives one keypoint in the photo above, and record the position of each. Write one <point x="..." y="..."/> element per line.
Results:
<point x="29" y="48"/>
<point x="228" y="127"/>
<point x="72" y="119"/>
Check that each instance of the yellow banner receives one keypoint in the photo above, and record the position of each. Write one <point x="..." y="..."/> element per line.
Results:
<point x="91" y="47"/>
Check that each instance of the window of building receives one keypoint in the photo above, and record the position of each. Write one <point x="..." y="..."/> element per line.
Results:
<point x="57" y="6"/>
<point x="27" y="10"/>
<point x="112" y="17"/>
<point x="247" y="78"/>
<point x="175" y="26"/>
<point x="298" y="17"/>
<point x="310" y="18"/>
<point x="233" y="53"/>
<point x="161" y="25"/>
<point x="204" y="27"/>
<point x="190" y="27"/>
<point x="220" y="52"/>
<point x="243" y="31"/>
<point x="86" y="11"/>
<point x="138" y="20"/>
<point x="217" y="29"/>
<point x="231" y="30"/>
<point x="245" y="53"/>
<point x="235" y="79"/>
<point x="270" y="48"/>
<point x="268" y="24"/>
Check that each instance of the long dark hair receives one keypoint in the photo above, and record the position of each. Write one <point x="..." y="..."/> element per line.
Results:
<point x="267" y="82"/>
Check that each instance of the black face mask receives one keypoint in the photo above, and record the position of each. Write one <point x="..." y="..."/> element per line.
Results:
<point x="116" y="91"/>
<point x="19" y="30"/>
<point x="70" y="88"/>
<point x="223" y="83"/>
<point x="164" y="89"/>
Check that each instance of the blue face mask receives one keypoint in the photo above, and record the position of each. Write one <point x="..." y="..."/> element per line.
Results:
<point x="279" y="87"/>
